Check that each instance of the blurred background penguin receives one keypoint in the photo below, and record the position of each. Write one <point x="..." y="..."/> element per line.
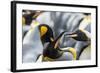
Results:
<point x="32" y="45"/>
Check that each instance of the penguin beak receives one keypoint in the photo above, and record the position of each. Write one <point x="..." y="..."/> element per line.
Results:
<point x="72" y="35"/>
<point x="43" y="30"/>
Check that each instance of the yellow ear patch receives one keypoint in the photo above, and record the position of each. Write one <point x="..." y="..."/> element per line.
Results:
<point x="43" y="30"/>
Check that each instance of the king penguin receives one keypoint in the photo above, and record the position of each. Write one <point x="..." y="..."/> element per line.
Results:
<point x="52" y="51"/>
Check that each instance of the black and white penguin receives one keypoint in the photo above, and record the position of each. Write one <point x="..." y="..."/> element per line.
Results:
<point x="51" y="51"/>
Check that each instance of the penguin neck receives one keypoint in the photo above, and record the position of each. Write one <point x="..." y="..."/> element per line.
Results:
<point x="57" y="40"/>
<point x="59" y="37"/>
<point x="48" y="40"/>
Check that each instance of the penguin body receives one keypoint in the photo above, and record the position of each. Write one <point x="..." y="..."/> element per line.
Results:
<point x="52" y="52"/>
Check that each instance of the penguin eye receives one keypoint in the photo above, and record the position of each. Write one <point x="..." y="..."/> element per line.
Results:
<point x="43" y="30"/>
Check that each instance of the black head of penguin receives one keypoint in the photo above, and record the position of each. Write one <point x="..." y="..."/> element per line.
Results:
<point x="46" y="33"/>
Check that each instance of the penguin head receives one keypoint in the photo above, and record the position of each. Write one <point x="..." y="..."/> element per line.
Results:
<point x="46" y="33"/>
<point x="79" y="35"/>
